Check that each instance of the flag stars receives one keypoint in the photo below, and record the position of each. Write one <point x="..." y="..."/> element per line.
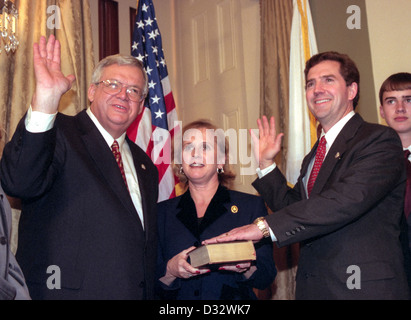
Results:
<point x="135" y="46"/>
<point x="148" y="70"/>
<point x="145" y="7"/>
<point x="140" y="57"/>
<point x="149" y="22"/>
<point x="152" y="84"/>
<point x="140" y="24"/>
<point x="152" y="35"/>
<point x="155" y="99"/>
<point x="159" y="114"/>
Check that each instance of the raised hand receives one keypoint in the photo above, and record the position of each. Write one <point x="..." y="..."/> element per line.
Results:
<point x="267" y="146"/>
<point x="51" y="84"/>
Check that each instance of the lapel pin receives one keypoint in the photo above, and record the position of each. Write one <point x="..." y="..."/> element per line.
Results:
<point x="234" y="209"/>
<point x="143" y="167"/>
<point x="337" y="155"/>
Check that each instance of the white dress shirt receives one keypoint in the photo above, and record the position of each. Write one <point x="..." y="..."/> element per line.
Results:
<point x="409" y="149"/>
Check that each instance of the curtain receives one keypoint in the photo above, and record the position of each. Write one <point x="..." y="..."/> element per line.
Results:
<point x="276" y="18"/>
<point x="69" y="21"/>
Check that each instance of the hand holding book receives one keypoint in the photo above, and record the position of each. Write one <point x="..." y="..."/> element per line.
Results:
<point x="178" y="267"/>
<point x="235" y="256"/>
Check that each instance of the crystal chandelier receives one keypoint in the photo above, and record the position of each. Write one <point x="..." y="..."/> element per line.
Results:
<point x="8" y="26"/>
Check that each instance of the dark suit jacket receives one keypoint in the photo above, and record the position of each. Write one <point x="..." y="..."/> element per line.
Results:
<point x="351" y="218"/>
<point x="180" y="229"/>
<point x="12" y="283"/>
<point x="78" y="215"/>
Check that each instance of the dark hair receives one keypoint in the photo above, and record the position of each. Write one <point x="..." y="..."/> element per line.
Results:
<point x="225" y="178"/>
<point x="396" y="82"/>
<point x="348" y="68"/>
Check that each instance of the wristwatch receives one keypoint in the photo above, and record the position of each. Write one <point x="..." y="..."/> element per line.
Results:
<point x="259" y="222"/>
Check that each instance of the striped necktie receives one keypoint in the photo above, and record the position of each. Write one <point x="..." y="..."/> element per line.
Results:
<point x="319" y="158"/>
<point x="117" y="155"/>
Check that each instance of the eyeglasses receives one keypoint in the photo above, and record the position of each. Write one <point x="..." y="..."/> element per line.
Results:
<point x="113" y="87"/>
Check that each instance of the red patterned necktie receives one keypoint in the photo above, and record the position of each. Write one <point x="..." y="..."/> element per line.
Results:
<point x="117" y="155"/>
<point x="407" y="200"/>
<point x="319" y="158"/>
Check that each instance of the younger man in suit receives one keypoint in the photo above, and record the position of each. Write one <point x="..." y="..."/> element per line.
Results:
<point x="347" y="219"/>
<point x="395" y="108"/>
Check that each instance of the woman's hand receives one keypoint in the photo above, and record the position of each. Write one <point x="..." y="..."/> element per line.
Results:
<point x="239" y="267"/>
<point x="178" y="267"/>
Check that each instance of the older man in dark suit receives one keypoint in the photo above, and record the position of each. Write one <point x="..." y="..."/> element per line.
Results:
<point x="348" y="218"/>
<point x="88" y="223"/>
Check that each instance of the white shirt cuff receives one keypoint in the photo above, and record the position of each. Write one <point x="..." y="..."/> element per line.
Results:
<point x="265" y="171"/>
<point x="37" y="121"/>
<point x="273" y="237"/>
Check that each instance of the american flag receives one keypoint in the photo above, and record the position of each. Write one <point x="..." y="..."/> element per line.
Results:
<point x="155" y="127"/>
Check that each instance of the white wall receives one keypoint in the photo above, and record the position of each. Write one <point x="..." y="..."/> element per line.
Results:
<point x="389" y="23"/>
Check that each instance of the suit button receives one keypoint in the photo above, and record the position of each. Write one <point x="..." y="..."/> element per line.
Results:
<point x="196" y="293"/>
<point x="288" y="233"/>
<point x="3" y="240"/>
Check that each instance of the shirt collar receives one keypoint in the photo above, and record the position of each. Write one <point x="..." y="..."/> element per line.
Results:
<point x="332" y="134"/>
<point x="107" y="137"/>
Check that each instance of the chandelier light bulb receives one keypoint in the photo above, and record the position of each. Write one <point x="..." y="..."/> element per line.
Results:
<point x="8" y="26"/>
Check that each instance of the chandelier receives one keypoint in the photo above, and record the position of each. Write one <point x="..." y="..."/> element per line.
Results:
<point x="8" y="26"/>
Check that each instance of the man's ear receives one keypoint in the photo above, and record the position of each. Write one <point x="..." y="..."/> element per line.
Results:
<point x="353" y="90"/>
<point x="91" y="92"/>
<point x="382" y="113"/>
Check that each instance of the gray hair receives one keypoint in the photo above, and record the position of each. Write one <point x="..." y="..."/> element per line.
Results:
<point x="121" y="60"/>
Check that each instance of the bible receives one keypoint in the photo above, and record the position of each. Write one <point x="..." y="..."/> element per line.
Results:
<point x="222" y="253"/>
